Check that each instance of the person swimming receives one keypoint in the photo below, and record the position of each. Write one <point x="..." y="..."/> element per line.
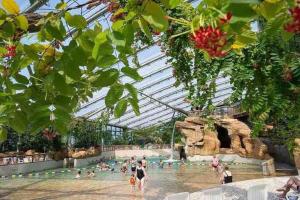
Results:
<point x="133" y="164"/>
<point x="144" y="162"/>
<point x="141" y="176"/>
<point x="78" y="174"/>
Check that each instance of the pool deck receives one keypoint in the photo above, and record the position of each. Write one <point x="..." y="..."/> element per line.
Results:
<point x="115" y="186"/>
<point x="238" y="190"/>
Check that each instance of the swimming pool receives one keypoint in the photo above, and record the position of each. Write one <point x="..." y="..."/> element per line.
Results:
<point x="61" y="184"/>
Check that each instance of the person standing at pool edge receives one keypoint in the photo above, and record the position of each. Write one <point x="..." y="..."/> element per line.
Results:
<point x="215" y="163"/>
<point x="144" y="162"/>
<point x="133" y="164"/>
<point x="141" y="175"/>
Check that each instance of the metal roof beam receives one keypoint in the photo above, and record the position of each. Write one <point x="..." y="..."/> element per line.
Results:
<point x="149" y="102"/>
<point x="133" y="82"/>
<point x="127" y="121"/>
<point x="156" y="117"/>
<point x="150" y="116"/>
<point x="152" y="84"/>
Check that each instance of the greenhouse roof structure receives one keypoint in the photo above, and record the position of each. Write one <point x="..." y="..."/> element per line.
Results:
<point x="159" y="99"/>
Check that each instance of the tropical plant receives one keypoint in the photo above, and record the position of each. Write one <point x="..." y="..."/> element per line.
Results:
<point x="44" y="81"/>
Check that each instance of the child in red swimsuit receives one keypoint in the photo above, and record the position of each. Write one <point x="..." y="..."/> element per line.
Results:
<point x="132" y="182"/>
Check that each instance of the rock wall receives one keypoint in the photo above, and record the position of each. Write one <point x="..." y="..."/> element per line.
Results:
<point x="200" y="140"/>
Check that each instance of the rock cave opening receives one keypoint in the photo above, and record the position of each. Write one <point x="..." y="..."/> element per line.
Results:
<point x="223" y="137"/>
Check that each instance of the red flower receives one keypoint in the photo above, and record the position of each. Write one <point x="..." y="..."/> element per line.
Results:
<point x="156" y="33"/>
<point x="294" y="25"/>
<point x="11" y="51"/>
<point x="226" y="19"/>
<point x="212" y="40"/>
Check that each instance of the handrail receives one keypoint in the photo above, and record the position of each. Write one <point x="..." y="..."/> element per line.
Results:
<point x="23" y="159"/>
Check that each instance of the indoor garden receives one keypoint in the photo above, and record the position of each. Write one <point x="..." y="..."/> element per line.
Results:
<point x="150" y="99"/>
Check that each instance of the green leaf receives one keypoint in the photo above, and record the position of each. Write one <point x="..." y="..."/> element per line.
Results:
<point x="154" y="15"/>
<point x="21" y="79"/>
<point x="132" y="73"/>
<point x="32" y="51"/>
<point x="19" y="122"/>
<point x="18" y="86"/>
<point x="270" y="10"/>
<point x="40" y="124"/>
<point x="61" y="6"/>
<point x="56" y="29"/>
<point x="120" y="108"/>
<point x="11" y="6"/>
<point x="62" y="87"/>
<point x="22" y="22"/>
<point x="2" y="16"/>
<point x="3" y="134"/>
<point x="106" y="78"/>
<point x="171" y="3"/>
<point x="117" y="38"/>
<point x="132" y="90"/>
<point x="134" y="105"/>
<point x="103" y="51"/>
<point x="8" y="29"/>
<point x="241" y="10"/>
<point x="114" y="94"/>
<point x="247" y="37"/>
<point x="144" y="27"/>
<point x="246" y="1"/>
<point x="76" y="21"/>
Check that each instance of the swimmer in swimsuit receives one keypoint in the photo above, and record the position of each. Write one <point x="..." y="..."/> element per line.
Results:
<point x="140" y="174"/>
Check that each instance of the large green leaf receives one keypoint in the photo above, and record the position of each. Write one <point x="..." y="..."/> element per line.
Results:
<point x="21" y="79"/>
<point x="171" y="3"/>
<point x="154" y="15"/>
<point x="270" y="10"/>
<point x="117" y="38"/>
<point x="134" y="105"/>
<point x="144" y="27"/>
<point x="114" y="94"/>
<point x="132" y="73"/>
<point x="103" y="51"/>
<point x="241" y="10"/>
<point x="106" y="60"/>
<point x="3" y="134"/>
<point x="11" y="6"/>
<point x="245" y="1"/>
<point x="76" y="21"/>
<point x="56" y="29"/>
<point x="19" y="122"/>
<point x="8" y="29"/>
<point x="132" y="91"/>
<point x="22" y="22"/>
<point x="62" y="87"/>
<point x="40" y="124"/>
<point x="120" y="108"/>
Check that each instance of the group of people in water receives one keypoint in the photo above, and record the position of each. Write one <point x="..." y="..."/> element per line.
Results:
<point x="138" y="174"/>
<point x="137" y="168"/>
<point x="221" y="170"/>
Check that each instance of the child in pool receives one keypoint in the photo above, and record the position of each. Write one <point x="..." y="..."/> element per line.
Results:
<point x="78" y="174"/>
<point x="132" y="182"/>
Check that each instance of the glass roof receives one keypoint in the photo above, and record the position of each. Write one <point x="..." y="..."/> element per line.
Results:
<point x="158" y="80"/>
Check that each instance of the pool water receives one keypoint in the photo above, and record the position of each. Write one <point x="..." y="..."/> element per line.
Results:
<point x="61" y="183"/>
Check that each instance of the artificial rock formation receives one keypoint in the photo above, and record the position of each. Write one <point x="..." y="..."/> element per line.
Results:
<point x="200" y="140"/>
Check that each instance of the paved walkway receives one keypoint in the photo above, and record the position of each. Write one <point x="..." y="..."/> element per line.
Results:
<point x="238" y="190"/>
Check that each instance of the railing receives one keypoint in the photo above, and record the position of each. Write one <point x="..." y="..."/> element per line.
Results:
<point x="20" y="159"/>
<point x="41" y="157"/>
<point x="134" y="147"/>
<point x="228" y="110"/>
